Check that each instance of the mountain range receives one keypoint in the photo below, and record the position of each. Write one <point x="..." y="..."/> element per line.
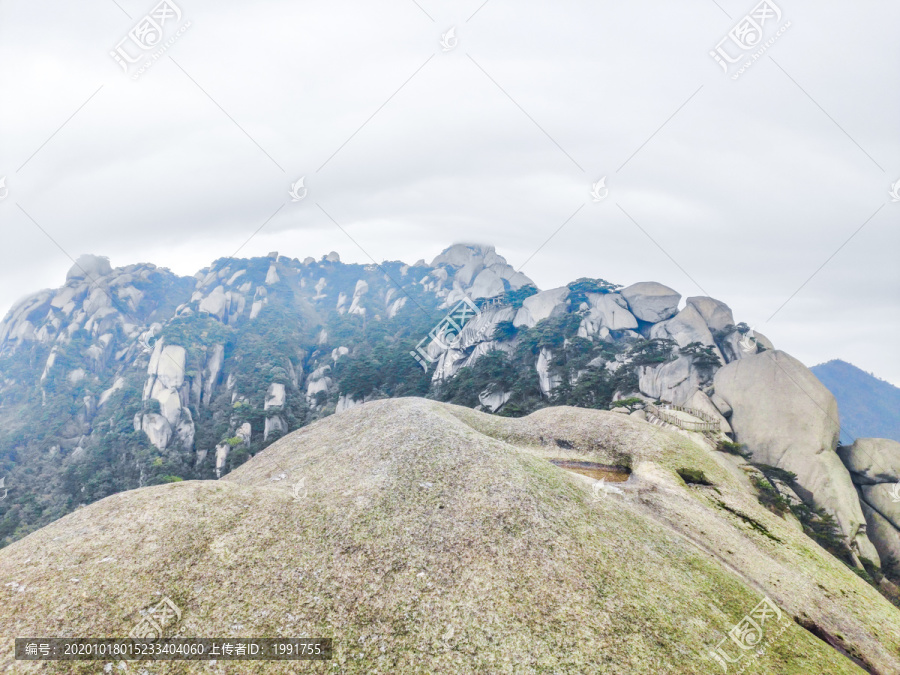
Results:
<point x="410" y="425"/>
<point x="869" y="406"/>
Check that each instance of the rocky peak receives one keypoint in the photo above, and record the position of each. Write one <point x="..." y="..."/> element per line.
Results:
<point x="474" y="270"/>
<point x="651" y="301"/>
<point x="89" y="267"/>
<point x="459" y="255"/>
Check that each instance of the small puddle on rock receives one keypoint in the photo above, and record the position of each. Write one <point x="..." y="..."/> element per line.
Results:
<point x="612" y="474"/>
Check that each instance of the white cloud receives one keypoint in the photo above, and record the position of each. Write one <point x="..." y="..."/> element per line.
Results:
<point x="750" y="187"/>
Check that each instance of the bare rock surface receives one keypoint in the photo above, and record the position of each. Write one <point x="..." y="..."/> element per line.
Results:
<point x="684" y="328"/>
<point x="788" y="419"/>
<point x="90" y="267"/>
<point x="715" y="313"/>
<point x="651" y="301"/>
<point x="872" y="460"/>
<point x="609" y="311"/>
<point x="884" y="499"/>
<point x="675" y="381"/>
<point x="275" y="396"/>
<point x="542" y="306"/>
<point x="387" y="527"/>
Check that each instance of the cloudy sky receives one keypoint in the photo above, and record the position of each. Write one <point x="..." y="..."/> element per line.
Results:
<point x="417" y="124"/>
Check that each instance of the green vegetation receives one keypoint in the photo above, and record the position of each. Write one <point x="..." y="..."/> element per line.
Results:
<point x="769" y="496"/>
<point x="704" y="358"/>
<point x="693" y="477"/>
<point x="631" y="404"/>
<point x="579" y="384"/>
<point x="581" y="287"/>
<point x="380" y="370"/>
<point x="752" y="522"/>
<point x="877" y="578"/>
<point x="733" y="448"/>
<point x="505" y="331"/>
<point x="150" y="407"/>
<point x="195" y="333"/>
<point x="820" y="526"/>
<point x="57" y="456"/>
<point x="890" y="566"/>
<point x="775" y="473"/>
<point x="517" y="297"/>
<point x="652" y="352"/>
<point x="494" y="367"/>
<point x="549" y="333"/>
<point x="817" y="523"/>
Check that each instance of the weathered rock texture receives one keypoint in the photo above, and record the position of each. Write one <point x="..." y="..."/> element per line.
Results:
<point x="788" y="419"/>
<point x="405" y="515"/>
<point x="651" y="302"/>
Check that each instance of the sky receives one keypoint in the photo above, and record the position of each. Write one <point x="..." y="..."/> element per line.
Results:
<point x="416" y="124"/>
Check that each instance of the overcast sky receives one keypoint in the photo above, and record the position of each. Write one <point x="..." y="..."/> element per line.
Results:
<point x="741" y="189"/>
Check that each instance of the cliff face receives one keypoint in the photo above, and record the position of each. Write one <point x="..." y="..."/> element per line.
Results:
<point x="135" y="376"/>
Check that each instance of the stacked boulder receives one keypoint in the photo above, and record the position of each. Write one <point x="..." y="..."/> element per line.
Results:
<point x="874" y="466"/>
<point x="786" y="418"/>
<point x="166" y="385"/>
<point x="273" y="405"/>
<point x="765" y="399"/>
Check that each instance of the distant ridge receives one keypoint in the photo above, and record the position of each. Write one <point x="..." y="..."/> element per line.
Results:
<point x="869" y="406"/>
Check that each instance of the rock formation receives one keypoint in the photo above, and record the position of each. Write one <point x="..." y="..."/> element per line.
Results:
<point x="651" y="302"/>
<point x="788" y="419"/>
<point x="542" y="306"/>
<point x="189" y="376"/>
<point x="874" y="465"/>
<point x="684" y="328"/>
<point x="715" y="313"/>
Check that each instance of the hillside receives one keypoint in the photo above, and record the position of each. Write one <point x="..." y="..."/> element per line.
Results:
<point x="431" y="538"/>
<point x="869" y="406"/>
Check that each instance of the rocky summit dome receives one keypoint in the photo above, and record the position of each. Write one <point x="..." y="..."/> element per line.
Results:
<point x="89" y="267"/>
